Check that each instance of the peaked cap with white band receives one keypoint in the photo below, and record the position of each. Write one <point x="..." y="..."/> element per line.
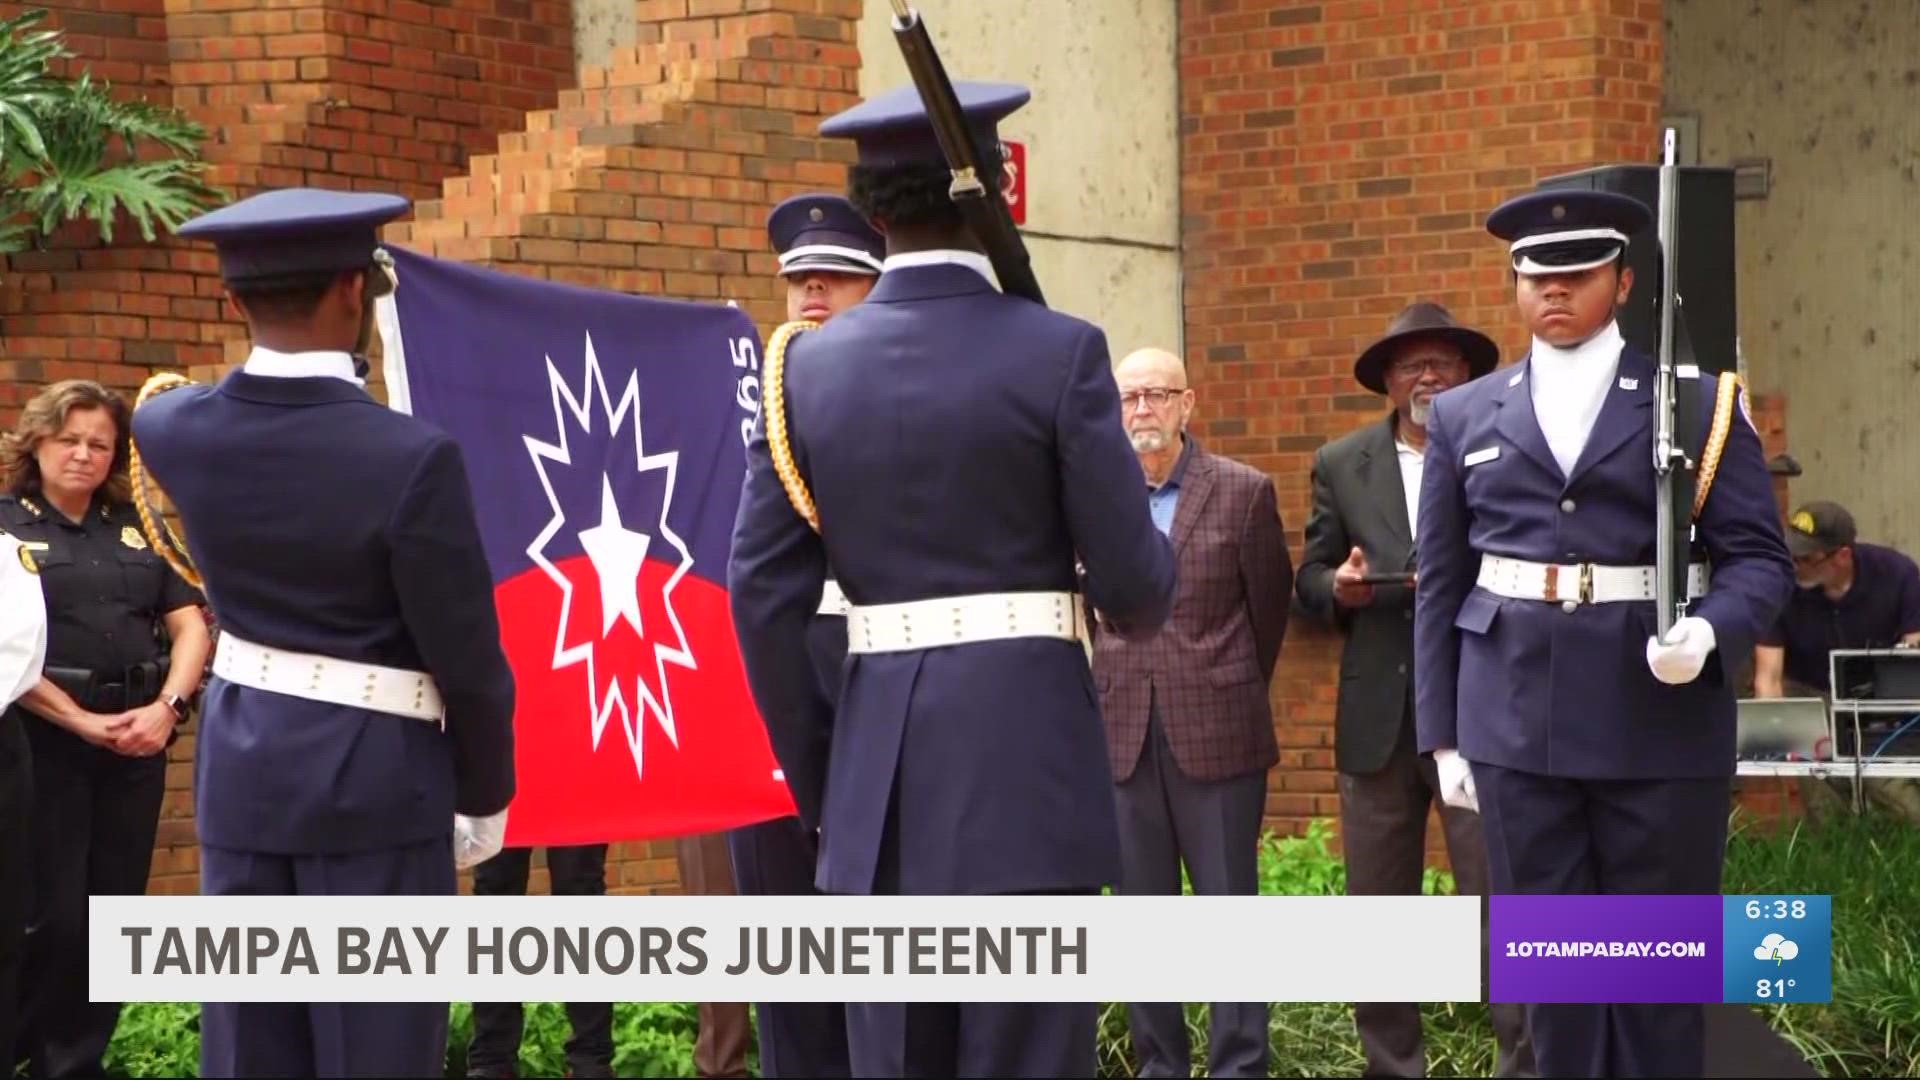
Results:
<point x="824" y="232"/>
<point x="1566" y="231"/>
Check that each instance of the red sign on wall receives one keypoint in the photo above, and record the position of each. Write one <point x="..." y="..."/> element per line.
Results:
<point x="1016" y="188"/>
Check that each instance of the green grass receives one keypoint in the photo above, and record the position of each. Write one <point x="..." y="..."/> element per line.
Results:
<point x="1871" y="866"/>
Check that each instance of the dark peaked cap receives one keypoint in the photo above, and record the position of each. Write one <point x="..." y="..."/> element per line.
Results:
<point x="894" y="129"/>
<point x="824" y="232"/>
<point x="1561" y="232"/>
<point x="296" y="232"/>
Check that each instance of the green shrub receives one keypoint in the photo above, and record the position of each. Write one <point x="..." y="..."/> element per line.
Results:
<point x="1869" y="865"/>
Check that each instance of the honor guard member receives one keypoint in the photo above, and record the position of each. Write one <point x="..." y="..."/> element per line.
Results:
<point x="946" y="450"/>
<point x="360" y="699"/>
<point x="830" y="258"/>
<point x="1600" y="759"/>
<point x="23" y="651"/>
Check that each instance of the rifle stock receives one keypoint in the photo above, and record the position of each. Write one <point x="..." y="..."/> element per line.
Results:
<point x="976" y="175"/>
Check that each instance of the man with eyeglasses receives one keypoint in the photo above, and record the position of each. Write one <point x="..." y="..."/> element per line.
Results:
<point x="1189" y="724"/>
<point x="1851" y="595"/>
<point x="1366" y="495"/>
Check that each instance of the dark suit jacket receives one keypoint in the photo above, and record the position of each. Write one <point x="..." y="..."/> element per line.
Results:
<point x="1359" y="501"/>
<point x="1211" y="665"/>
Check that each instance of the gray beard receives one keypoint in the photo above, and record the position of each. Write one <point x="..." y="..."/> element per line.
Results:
<point x="1418" y="411"/>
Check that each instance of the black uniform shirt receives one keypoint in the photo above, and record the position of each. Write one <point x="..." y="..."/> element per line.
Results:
<point x="106" y="588"/>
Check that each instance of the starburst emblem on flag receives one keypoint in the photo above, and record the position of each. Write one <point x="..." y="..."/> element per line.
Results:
<point x="617" y="554"/>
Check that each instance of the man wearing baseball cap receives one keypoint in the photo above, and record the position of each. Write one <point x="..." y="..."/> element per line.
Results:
<point x="1851" y="595"/>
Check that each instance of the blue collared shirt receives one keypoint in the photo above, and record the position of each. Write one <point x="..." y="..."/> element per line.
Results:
<point x="1162" y="501"/>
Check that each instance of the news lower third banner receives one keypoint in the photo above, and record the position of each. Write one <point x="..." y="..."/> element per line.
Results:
<point x="782" y="948"/>
<point x="1661" y="949"/>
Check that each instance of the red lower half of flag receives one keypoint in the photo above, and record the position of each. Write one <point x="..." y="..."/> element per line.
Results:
<point x="633" y="780"/>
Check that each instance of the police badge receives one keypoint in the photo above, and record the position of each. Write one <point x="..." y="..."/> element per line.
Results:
<point x="131" y="537"/>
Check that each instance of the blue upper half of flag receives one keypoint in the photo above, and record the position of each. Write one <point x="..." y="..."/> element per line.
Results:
<point x="582" y="413"/>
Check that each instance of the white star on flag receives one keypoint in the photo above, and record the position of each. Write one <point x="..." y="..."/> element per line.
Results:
<point x="617" y="554"/>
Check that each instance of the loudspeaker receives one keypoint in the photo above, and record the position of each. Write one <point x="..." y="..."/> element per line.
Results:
<point x="1706" y="271"/>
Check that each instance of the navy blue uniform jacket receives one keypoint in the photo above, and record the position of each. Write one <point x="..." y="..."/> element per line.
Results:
<point x="324" y="522"/>
<point x="1526" y="685"/>
<point x="956" y="441"/>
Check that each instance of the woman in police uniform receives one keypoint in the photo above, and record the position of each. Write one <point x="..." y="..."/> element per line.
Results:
<point x="126" y="646"/>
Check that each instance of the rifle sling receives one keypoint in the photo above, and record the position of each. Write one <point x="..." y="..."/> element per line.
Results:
<point x="1704" y="441"/>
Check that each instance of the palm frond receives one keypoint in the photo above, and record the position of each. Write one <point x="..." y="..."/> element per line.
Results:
<point x="69" y="149"/>
<point x="94" y="109"/>
<point x="150" y="192"/>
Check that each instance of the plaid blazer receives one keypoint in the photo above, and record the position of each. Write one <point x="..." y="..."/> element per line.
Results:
<point x="1210" y="666"/>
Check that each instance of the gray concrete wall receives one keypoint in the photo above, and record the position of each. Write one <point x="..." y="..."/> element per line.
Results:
<point x="1102" y="139"/>
<point x="1829" y="261"/>
<point x="599" y="27"/>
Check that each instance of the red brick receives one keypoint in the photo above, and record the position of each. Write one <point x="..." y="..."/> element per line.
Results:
<point x="1401" y="131"/>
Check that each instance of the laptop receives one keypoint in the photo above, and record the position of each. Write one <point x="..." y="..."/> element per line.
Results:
<point x="1783" y="729"/>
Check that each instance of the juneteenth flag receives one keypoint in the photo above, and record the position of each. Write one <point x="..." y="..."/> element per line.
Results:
<point x="605" y="439"/>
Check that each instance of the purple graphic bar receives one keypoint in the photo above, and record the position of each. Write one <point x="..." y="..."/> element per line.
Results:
<point x="1605" y="949"/>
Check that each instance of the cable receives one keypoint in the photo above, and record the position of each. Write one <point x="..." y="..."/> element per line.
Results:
<point x="1888" y="741"/>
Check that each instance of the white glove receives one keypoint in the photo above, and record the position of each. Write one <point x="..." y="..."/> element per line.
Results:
<point x="475" y="840"/>
<point x="1680" y="657"/>
<point x="1456" y="780"/>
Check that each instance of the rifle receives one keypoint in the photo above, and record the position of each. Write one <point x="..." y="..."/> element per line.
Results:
<point x="982" y="204"/>
<point x="1676" y="416"/>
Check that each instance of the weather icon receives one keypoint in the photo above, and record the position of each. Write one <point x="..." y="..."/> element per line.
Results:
<point x="1777" y="948"/>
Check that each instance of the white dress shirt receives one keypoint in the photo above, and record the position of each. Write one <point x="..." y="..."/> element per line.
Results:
<point x="274" y="364"/>
<point x="1412" y="468"/>
<point x="1569" y="386"/>
<point x="972" y="260"/>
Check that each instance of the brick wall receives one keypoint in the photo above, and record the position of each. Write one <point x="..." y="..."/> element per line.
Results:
<point x="337" y="93"/>
<point x="334" y="93"/>
<point x="1338" y="160"/>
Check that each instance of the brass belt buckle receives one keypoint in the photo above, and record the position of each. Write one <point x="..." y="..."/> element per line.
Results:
<point x="1586" y="583"/>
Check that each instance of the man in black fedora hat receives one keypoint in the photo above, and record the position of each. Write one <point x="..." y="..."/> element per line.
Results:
<point x="1366" y="493"/>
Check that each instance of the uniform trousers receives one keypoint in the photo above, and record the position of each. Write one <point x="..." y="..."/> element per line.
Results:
<point x="1383" y="832"/>
<point x="967" y="1039"/>
<point x="94" y="817"/>
<point x="498" y="1026"/>
<point x="381" y="1039"/>
<point x="1168" y="819"/>
<point x="16" y="875"/>
<point x="1555" y="835"/>
<point x="803" y="1038"/>
<point x="726" y="1027"/>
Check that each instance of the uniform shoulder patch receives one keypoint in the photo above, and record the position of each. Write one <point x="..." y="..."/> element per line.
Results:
<point x="26" y="559"/>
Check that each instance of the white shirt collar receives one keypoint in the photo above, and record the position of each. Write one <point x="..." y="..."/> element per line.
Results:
<point x="1569" y="386"/>
<point x="972" y="260"/>
<point x="1600" y="350"/>
<point x="274" y="364"/>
